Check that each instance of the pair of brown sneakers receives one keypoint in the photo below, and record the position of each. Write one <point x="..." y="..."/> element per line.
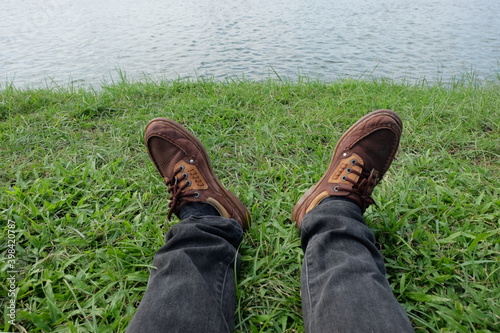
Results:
<point x="361" y="157"/>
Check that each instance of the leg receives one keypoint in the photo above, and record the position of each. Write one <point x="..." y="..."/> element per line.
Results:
<point x="192" y="286"/>
<point x="344" y="287"/>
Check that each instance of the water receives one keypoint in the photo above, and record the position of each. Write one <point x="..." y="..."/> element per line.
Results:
<point x="88" y="42"/>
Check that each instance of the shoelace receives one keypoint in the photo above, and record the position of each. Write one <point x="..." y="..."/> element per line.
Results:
<point x="177" y="191"/>
<point x="363" y="188"/>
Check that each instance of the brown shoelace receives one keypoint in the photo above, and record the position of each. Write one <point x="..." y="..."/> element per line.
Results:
<point x="364" y="186"/>
<point x="177" y="191"/>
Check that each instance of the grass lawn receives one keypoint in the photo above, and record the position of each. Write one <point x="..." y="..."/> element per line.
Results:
<point x="86" y="210"/>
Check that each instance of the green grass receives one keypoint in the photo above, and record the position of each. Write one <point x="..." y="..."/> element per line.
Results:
<point x="89" y="208"/>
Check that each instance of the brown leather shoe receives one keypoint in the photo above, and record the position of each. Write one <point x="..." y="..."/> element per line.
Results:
<point x="361" y="157"/>
<point x="183" y="162"/>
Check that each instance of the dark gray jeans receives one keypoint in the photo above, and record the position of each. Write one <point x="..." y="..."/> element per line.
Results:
<point x="344" y="288"/>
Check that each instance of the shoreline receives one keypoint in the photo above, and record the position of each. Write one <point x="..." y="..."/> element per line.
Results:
<point x="121" y="78"/>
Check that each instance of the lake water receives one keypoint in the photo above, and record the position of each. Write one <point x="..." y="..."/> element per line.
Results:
<point x="86" y="42"/>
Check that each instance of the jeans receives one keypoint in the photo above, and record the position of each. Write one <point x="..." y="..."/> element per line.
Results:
<point x="344" y="288"/>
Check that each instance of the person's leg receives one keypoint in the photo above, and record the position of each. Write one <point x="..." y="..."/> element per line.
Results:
<point x="344" y="288"/>
<point x="192" y="287"/>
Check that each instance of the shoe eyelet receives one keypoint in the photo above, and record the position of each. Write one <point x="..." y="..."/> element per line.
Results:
<point x="188" y="183"/>
<point x="196" y="194"/>
<point x="353" y="162"/>
<point x="182" y="168"/>
<point x="344" y="178"/>
<point x="336" y="188"/>
<point x="191" y="161"/>
<point x="185" y="176"/>
<point x="348" y="170"/>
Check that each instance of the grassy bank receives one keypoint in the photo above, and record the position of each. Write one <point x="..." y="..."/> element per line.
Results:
<point x="88" y="208"/>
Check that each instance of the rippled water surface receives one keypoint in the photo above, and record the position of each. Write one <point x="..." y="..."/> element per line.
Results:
<point x="87" y="41"/>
